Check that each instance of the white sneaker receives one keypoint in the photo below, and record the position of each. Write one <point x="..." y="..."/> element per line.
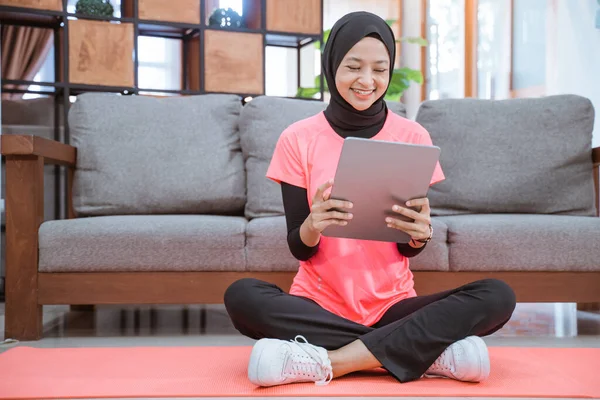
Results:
<point x="466" y="360"/>
<point x="277" y="362"/>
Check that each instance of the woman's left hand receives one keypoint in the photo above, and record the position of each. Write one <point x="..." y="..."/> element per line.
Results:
<point x="419" y="229"/>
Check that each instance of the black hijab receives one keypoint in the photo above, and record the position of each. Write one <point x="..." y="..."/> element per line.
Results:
<point x="349" y="30"/>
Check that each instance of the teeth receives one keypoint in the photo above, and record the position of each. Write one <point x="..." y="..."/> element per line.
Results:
<point x="365" y="92"/>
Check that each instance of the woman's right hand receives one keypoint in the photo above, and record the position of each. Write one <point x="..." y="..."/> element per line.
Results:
<point x="323" y="210"/>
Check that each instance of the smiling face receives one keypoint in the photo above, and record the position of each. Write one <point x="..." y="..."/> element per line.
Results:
<point x="363" y="75"/>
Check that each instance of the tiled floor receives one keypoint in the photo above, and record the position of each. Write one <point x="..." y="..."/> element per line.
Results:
<point x="554" y="325"/>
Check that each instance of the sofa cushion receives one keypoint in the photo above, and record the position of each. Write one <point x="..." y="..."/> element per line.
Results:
<point x="145" y="155"/>
<point x="518" y="242"/>
<point x="143" y="243"/>
<point x="266" y="246"/>
<point x="512" y="156"/>
<point x="435" y="256"/>
<point x="261" y="123"/>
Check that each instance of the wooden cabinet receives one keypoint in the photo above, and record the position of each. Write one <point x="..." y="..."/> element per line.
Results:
<point x="302" y="16"/>
<point x="233" y="62"/>
<point x="187" y="11"/>
<point x="53" y="5"/>
<point x="101" y="53"/>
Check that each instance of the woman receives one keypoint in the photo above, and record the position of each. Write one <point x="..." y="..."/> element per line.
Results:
<point x="352" y="305"/>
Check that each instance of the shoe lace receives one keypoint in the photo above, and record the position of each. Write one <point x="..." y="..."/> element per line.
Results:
<point x="309" y="364"/>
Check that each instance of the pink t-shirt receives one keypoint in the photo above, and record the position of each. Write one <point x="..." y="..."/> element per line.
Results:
<point x="355" y="279"/>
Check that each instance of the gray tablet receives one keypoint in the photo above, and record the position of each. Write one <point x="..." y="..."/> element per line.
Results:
<point x="374" y="175"/>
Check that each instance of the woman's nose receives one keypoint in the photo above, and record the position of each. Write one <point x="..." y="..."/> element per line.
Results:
<point x="366" y="78"/>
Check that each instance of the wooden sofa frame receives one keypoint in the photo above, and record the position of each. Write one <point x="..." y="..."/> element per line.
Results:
<point x="27" y="290"/>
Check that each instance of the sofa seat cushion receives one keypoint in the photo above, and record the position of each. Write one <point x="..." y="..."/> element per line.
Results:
<point x="261" y="123"/>
<point x="435" y="256"/>
<point x="521" y="156"/>
<point x="143" y="155"/>
<point x="143" y="243"/>
<point x="521" y="242"/>
<point x="266" y="246"/>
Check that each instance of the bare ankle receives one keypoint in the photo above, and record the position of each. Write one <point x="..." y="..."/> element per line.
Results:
<point x="351" y="358"/>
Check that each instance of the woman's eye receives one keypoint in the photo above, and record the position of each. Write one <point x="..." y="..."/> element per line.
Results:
<point x="353" y="68"/>
<point x="380" y="70"/>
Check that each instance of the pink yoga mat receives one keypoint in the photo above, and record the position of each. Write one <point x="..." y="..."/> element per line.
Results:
<point x="32" y="373"/>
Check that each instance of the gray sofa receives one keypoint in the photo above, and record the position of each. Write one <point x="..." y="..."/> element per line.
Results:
<point x="170" y="203"/>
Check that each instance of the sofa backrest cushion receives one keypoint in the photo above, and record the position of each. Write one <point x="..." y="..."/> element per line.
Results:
<point x="147" y="155"/>
<point x="512" y="156"/>
<point x="261" y="123"/>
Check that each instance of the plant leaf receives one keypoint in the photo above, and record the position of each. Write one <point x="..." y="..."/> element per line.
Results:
<point x="414" y="40"/>
<point x="409" y="74"/>
<point x="307" y="93"/>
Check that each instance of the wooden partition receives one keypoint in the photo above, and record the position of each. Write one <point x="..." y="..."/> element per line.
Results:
<point x="294" y="16"/>
<point x="52" y="5"/>
<point x="101" y="53"/>
<point x="179" y="11"/>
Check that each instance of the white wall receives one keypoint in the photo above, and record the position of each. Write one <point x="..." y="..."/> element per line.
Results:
<point x="574" y="53"/>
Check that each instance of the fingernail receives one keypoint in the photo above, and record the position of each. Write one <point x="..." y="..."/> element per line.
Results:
<point x="350" y="215"/>
<point x="389" y="225"/>
<point x="350" y="205"/>
<point x="396" y="208"/>
<point x="388" y="220"/>
<point x="408" y="203"/>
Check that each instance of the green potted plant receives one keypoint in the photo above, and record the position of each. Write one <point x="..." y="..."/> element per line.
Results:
<point x="401" y="77"/>
<point x="94" y="8"/>
<point x="226" y="18"/>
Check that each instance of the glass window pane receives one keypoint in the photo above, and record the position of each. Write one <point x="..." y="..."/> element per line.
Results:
<point x="493" y="49"/>
<point x="281" y="71"/>
<point x="164" y="55"/>
<point x="445" y="53"/>
<point x="152" y="49"/>
<point x="529" y="43"/>
<point x="152" y="77"/>
<point x="235" y="5"/>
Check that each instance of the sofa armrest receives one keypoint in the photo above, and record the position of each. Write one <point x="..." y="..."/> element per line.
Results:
<point x="25" y="158"/>
<point x="51" y="151"/>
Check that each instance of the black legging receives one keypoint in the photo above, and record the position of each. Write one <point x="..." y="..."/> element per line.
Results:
<point x="407" y="340"/>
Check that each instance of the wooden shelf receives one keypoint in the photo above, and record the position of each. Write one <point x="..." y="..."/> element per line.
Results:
<point x="233" y="62"/>
<point x="303" y="16"/>
<point x="170" y="31"/>
<point x="100" y="53"/>
<point x="186" y="11"/>
<point x="54" y="5"/>
<point x="252" y="11"/>
<point x="289" y="40"/>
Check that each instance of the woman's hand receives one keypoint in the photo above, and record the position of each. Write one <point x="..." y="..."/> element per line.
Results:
<point x="420" y="228"/>
<point x="322" y="211"/>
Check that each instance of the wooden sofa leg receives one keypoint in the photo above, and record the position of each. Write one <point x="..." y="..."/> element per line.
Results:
<point x="24" y="215"/>
<point x="23" y="316"/>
